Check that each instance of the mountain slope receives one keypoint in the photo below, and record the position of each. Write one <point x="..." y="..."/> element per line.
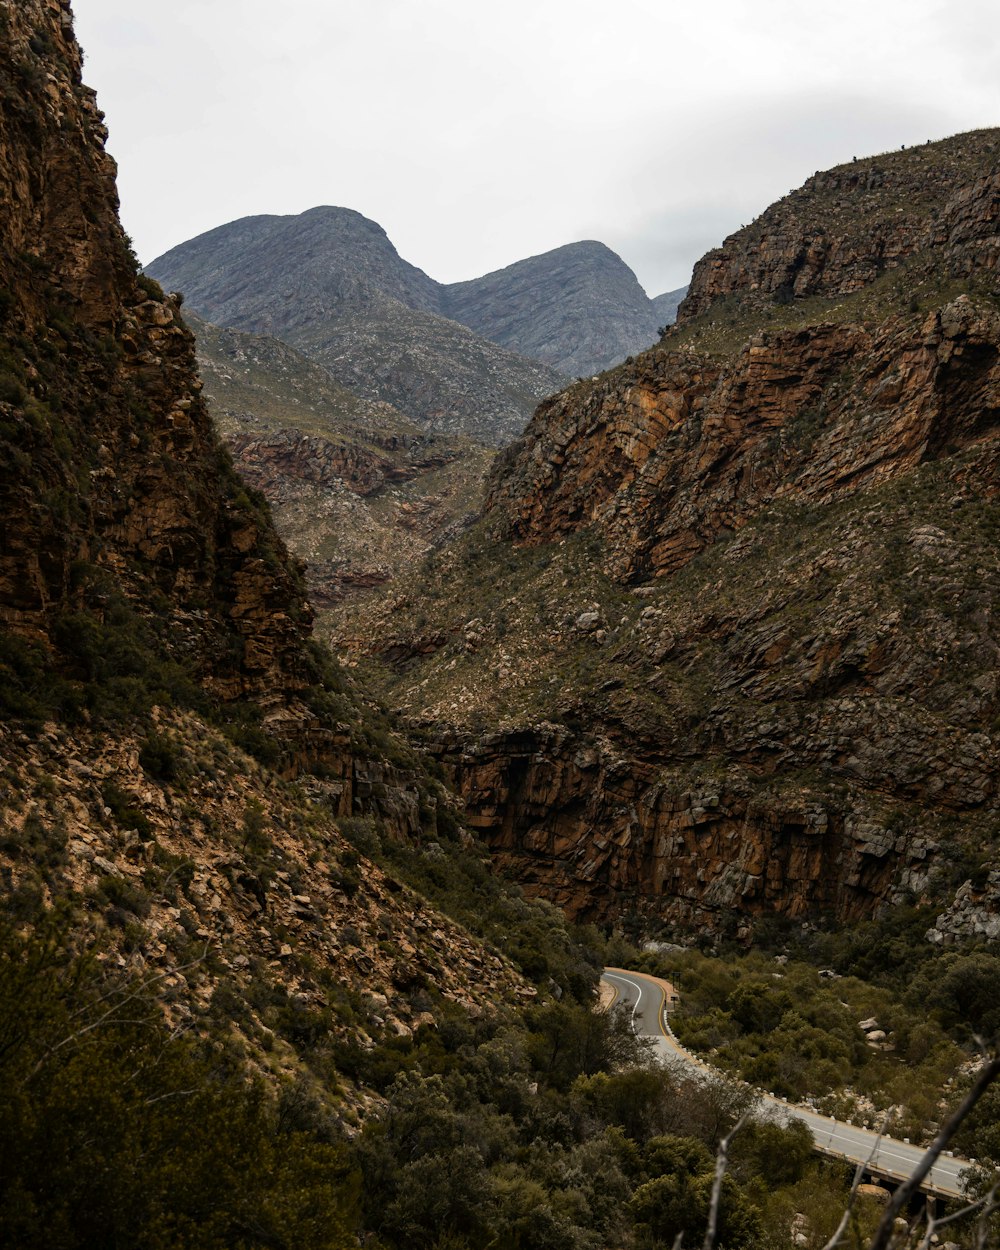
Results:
<point x="739" y="589"/>
<point x="358" y="491"/>
<point x="579" y="308"/>
<point x="330" y="283"/>
<point x="182" y="764"/>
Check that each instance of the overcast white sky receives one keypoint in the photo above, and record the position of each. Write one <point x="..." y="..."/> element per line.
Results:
<point x="478" y="134"/>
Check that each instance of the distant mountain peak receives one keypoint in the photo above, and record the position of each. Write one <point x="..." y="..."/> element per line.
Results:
<point x="330" y="282"/>
<point x="578" y="307"/>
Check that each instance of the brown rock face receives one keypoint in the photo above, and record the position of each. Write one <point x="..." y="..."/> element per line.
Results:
<point x="110" y="465"/>
<point x="670" y="452"/>
<point x="265" y="459"/>
<point x="847" y="226"/>
<point x="603" y="835"/>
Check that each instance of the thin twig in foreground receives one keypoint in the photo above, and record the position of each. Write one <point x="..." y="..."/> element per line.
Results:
<point x="987" y="1202"/>
<point x="859" y="1172"/>
<point x="721" y="1162"/>
<point x="987" y="1075"/>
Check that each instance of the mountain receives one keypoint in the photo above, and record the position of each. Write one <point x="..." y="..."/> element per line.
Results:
<point x="468" y="358"/>
<point x="259" y="986"/>
<point x="193" y="790"/>
<point x="721" y="648"/>
<point x="357" y="490"/>
<point x="578" y="308"/>
<point x="329" y="283"/>
<point x="665" y="306"/>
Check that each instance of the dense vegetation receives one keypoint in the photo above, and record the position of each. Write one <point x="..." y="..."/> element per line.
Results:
<point x="117" y="1133"/>
<point x="792" y="1024"/>
<point x="537" y="1129"/>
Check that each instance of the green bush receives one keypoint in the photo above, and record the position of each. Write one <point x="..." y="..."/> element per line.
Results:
<point x="115" y="1134"/>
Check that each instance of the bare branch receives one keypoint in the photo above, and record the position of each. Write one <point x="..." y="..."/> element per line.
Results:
<point x="982" y="1231"/>
<point x="987" y="1075"/>
<point x="141" y="988"/>
<point x="859" y="1172"/>
<point x="987" y="1202"/>
<point x="838" y="1235"/>
<point x="173" y="1093"/>
<point x="721" y="1163"/>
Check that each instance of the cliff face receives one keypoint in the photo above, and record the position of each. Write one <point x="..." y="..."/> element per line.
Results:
<point x="741" y="635"/>
<point x="678" y="448"/>
<point x="847" y="226"/>
<point x="605" y="837"/>
<point x="110" y="464"/>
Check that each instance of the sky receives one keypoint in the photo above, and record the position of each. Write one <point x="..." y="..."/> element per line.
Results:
<point x="478" y="134"/>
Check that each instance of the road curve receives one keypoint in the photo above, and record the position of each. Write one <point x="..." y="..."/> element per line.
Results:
<point x="646" y="997"/>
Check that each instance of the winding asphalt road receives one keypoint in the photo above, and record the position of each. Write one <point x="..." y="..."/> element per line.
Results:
<point x="646" y="997"/>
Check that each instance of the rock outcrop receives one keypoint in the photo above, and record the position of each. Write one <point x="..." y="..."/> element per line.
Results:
<point x="674" y="450"/>
<point x="848" y="226"/>
<point x="110" y="464"/>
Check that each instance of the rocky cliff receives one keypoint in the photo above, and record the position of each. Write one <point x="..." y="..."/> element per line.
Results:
<point x="578" y="308"/>
<point x="737" y="656"/>
<point x="846" y="227"/>
<point x="112" y="472"/>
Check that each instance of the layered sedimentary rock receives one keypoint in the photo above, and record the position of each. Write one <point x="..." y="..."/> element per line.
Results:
<point x="605" y="836"/>
<point x="678" y="448"/>
<point x="847" y="226"/>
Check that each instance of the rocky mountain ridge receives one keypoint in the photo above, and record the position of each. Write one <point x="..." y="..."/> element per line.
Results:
<point x="738" y="657"/>
<point x="330" y="283"/>
<point x="931" y="206"/>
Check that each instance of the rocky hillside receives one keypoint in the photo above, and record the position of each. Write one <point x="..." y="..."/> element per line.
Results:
<point x="578" y="308"/>
<point x="184" y="769"/>
<point x="722" y="646"/>
<point x="357" y="490"/>
<point x="330" y="283"/>
<point x="927" y="208"/>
